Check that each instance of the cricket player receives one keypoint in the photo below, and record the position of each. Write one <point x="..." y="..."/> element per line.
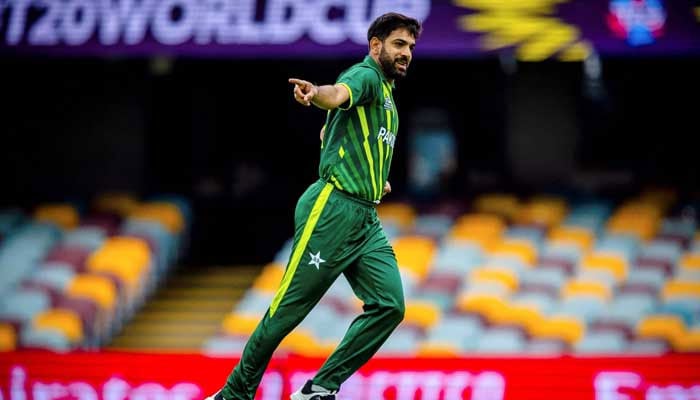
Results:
<point x="336" y="226"/>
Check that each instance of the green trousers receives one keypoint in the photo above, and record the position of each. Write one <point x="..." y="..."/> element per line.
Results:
<point x="334" y="233"/>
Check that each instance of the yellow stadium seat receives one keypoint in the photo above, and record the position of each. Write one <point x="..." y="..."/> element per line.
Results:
<point x="567" y="328"/>
<point x="484" y="229"/>
<point x="690" y="261"/>
<point x="270" y="278"/>
<point x="402" y="214"/>
<point x="437" y="349"/>
<point x="319" y="349"/>
<point x="167" y="214"/>
<point x="8" y="337"/>
<point x="64" y="215"/>
<point x="504" y="205"/>
<point x="543" y="211"/>
<point x="486" y="304"/>
<point x="240" y="324"/>
<point x="94" y="287"/>
<point x="415" y="253"/>
<point x="578" y="287"/>
<point x="581" y="237"/>
<point x="680" y="288"/>
<point x="119" y="203"/>
<point x="423" y="314"/>
<point x="63" y="320"/>
<point x="612" y="263"/>
<point x="688" y="342"/>
<point x="526" y="316"/>
<point x="638" y="217"/>
<point x="504" y="276"/>
<point x="299" y="341"/>
<point x="668" y="327"/>
<point x="523" y="250"/>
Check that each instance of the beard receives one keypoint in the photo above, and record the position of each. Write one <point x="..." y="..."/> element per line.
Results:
<point x="389" y="67"/>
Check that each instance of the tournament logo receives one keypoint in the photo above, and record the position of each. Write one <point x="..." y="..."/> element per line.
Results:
<point x="640" y="22"/>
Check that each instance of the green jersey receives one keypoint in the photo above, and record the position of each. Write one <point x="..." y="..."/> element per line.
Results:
<point x="359" y="140"/>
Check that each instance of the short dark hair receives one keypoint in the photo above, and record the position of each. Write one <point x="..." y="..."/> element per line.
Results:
<point x="382" y="27"/>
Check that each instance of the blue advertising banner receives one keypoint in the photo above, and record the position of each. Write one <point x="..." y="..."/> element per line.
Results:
<point x="530" y="29"/>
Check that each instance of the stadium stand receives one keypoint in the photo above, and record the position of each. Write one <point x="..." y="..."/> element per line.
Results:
<point x="71" y="279"/>
<point x="545" y="275"/>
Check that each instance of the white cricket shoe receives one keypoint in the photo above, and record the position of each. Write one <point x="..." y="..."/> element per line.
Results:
<point x="313" y="392"/>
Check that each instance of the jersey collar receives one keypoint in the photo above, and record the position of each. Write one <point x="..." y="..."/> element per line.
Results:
<point x="369" y="61"/>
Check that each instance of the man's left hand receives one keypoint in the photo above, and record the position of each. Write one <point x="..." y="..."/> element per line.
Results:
<point x="387" y="188"/>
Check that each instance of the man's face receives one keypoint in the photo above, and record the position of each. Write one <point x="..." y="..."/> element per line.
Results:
<point x="396" y="53"/>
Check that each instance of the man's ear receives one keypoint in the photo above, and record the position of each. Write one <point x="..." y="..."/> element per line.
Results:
<point x="375" y="46"/>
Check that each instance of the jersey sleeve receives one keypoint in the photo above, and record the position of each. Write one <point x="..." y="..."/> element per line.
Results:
<point x="362" y="83"/>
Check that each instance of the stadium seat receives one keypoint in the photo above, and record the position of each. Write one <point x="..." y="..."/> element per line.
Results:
<point x="437" y="349"/>
<point x="118" y="203"/>
<point x="681" y="289"/>
<point x="542" y="302"/>
<point x="8" y="337"/>
<point x="613" y="263"/>
<point x="301" y="342"/>
<point x="480" y="301"/>
<point x="65" y="321"/>
<point x="49" y="339"/>
<point x="690" y="261"/>
<point x="432" y="225"/>
<point x="398" y="214"/>
<point x="415" y="253"/>
<point x="167" y="214"/>
<point x="647" y="347"/>
<point x="524" y="316"/>
<point x="688" y="342"/>
<point x="567" y="328"/>
<point x="482" y="229"/>
<point x="544" y="211"/>
<point x="651" y="277"/>
<point x="501" y="340"/>
<point x="401" y="342"/>
<point x="601" y="343"/>
<point x="240" y="324"/>
<point x="421" y="314"/>
<point x="63" y="215"/>
<point x="662" y="250"/>
<point x="462" y="331"/>
<point x="524" y="251"/>
<point x="96" y="288"/>
<point x="90" y="238"/>
<point x="661" y="326"/>
<point x="457" y="257"/>
<point x="502" y="276"/>
<point x="564" y="236"/>
<point x="269" y="280"/>
<point x="75" y="256"/>
<point x="585" y="287"/>
<point x="586" y="306"/>
<point x="55" y="275"/>
<point x="504" y="205"/>
<point x="23" y="305"/>
<point x="546" y="347"/>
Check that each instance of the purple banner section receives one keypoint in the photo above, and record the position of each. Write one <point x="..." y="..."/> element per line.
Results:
<point x="532" y="30"/>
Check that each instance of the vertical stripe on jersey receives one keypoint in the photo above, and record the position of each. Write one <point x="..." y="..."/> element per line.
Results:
<point x="351" y="182"/>
<point x="314" y="215"/>
<point x="368" y="151"/>
<point x="358" y="152"/>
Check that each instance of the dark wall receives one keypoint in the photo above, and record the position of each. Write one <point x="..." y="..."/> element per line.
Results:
<point x="228" y="134"/>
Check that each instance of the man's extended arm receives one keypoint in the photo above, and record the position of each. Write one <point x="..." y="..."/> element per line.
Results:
<point x="326" y="97"/>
